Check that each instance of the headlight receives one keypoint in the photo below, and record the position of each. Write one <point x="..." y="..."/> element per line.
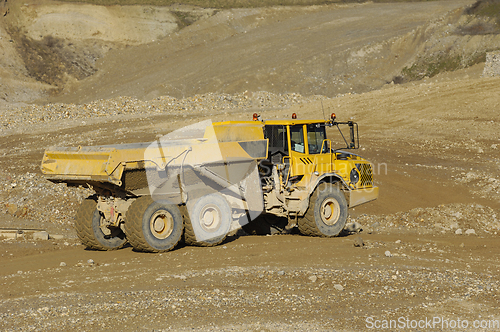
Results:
<point x="354" y="176"/>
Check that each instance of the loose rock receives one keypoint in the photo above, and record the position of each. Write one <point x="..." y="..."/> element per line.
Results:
<point x="470" y="232"/>
<point x="353" y="227"/>
<point x="338" y="287"/>
<point x="358" y="242"/>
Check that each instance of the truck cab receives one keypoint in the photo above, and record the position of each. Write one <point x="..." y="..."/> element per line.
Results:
<point x="306" y="159"/>
<point x="305" y="150"/>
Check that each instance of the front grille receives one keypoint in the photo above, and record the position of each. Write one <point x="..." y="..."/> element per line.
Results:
<point x="365" y="175"/>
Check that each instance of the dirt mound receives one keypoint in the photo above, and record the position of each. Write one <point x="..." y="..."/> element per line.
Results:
<point x="16" y="87"/>
<point x="61" y="59"/>
<point x="47" y="44"/>
<point x="328" y="50"/>
<point x="132" y="25"/>
<point x="461" y="40"/>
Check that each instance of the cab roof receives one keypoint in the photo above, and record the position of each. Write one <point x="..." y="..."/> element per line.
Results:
<point x="291" y="122"/>
<point x="282" y="122"/>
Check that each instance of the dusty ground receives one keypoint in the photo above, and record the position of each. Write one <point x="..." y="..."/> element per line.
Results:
<point x="431" y="239"/>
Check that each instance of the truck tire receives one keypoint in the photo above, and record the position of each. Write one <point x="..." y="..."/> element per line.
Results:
<point x="153" y="226"/>
<point x="208" y="221"/>
<point x="87" y="226"/>
<point x="327" y="212"/>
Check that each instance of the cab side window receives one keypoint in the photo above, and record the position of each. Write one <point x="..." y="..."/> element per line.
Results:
<point x="297" y="138"/>
<point x="315" y="136"/>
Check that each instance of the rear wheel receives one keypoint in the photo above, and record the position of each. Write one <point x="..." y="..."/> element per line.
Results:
<point x="327" y="212"/>
<point x="91" y="233"/>
<point x="208" y="220"/>
<point x="153" y="226"/>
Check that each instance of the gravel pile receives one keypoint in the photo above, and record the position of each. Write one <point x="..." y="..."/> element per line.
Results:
<point x="204" y="104"/>
<point x="482" y="184"/>
<point x="451" y="218"/>
<point x="37" y="201"/>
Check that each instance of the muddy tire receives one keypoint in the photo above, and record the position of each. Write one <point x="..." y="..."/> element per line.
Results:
<point x="327" y="212"/>
<point x="153" y="226"/>
<point x="87" y="226"/>
<point x="208" y="221"/>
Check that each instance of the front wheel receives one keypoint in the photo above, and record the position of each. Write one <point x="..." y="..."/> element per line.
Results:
<point x="90" y="231"/>
<point x="327" y="212"/>
<point x="153" y="226"/>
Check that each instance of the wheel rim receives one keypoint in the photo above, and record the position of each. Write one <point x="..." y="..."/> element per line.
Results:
<point x="106" y="232"/>
<point x="330" y="211"/>
<point x="161" y="224"/>
<point x="210" y="218"/>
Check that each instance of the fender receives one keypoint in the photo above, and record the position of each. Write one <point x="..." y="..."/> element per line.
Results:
<point x="329" y="176"/>
<point x="354" y="197"/>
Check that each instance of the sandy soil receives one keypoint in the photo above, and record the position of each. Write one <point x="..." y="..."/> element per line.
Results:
<point x="430" y="240"/>
<point x="438" y="180"/>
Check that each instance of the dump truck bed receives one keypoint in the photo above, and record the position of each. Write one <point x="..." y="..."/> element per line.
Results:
<point x="95" y="163"/>
<point x="225" y="142"/>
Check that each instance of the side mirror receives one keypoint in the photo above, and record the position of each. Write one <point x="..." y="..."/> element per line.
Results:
<point x="353" y="130"/>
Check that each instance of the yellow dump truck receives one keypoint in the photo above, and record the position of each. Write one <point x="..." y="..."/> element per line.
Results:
<point x="202" y="181"/>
